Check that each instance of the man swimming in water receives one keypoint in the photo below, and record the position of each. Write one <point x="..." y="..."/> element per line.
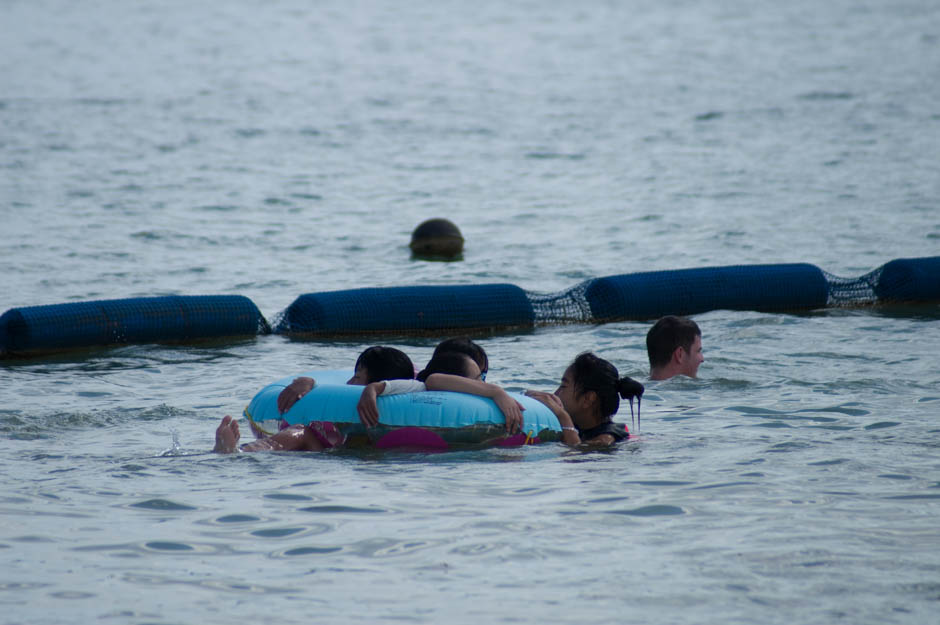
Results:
<point x="674" y="346"/>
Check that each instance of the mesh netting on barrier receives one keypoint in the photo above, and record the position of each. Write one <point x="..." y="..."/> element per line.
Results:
<point x="901" y="280"/>
<point x="568" y="306"/>
<point x="844" y="292"/>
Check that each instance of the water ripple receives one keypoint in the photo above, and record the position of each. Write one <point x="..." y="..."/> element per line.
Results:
<point x="654" y="510"/>
<point x="307" y="551"/>
<point x="161" y="505"/>
<point x="214" y="584"/>
<point x="342" y="510"/>
<point x="277" y="532"/>
<point x="935" y="496"/>
<point x="723" y="485"/>
<point x="882" y="425"/>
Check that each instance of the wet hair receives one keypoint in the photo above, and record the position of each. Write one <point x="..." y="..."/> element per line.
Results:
<point x="666" y="335"/>
<point x="464" y="345"/>
<point x="453" y="363"/>
<point x="386" y="363"/>
<point x="591" y="373"/>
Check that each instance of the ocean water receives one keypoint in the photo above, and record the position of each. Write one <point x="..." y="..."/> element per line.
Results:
<point x="280" y="148"/>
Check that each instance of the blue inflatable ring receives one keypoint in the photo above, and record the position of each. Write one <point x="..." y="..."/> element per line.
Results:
<point x="431" y="419"/>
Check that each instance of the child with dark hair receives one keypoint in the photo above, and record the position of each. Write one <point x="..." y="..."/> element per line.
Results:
<point x="443" y="363"/>
<point x="584" y="403"/>
<point x="375" y="363"/>
<point x="464" y="345"/>
<point x="457" y="356"/>
<point x="590" y="392"/>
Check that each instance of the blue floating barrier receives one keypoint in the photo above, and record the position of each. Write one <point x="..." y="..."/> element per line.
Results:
<point x="762" y="288"/>
<point x="909" y="280"/>
<point x="137" y="320"/>
<point x="409" y="309"/>
<point x="484" y="307"/>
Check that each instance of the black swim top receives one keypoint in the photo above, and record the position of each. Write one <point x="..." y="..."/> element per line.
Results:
<point x="617" y="430"/>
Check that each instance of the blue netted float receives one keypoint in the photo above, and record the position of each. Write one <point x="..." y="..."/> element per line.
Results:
<point x="909" y="280"/>
<point x="175" y="318"/>
<point x="431" y="419"/>
<point x="409" y="309"/>
<point x="650" y="295"/>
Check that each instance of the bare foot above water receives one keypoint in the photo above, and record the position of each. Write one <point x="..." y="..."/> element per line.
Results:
<point x="226" y="436"/>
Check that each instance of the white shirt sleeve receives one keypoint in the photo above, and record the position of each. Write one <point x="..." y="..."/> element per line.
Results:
<point x="397" y="387"/>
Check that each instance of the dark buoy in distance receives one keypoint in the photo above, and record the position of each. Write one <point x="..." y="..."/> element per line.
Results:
<point x="436" y="239"/>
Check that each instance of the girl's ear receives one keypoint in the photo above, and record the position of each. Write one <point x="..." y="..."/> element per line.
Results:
<point x="590" y="399"/>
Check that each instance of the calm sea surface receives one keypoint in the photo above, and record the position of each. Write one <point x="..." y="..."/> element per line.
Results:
<point x="279" y="148"/>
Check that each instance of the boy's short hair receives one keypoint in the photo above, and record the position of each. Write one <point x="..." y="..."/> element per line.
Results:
<point x="666" y="335"/>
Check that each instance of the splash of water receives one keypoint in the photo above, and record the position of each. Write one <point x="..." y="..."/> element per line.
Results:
<point x="175" y="448"/>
